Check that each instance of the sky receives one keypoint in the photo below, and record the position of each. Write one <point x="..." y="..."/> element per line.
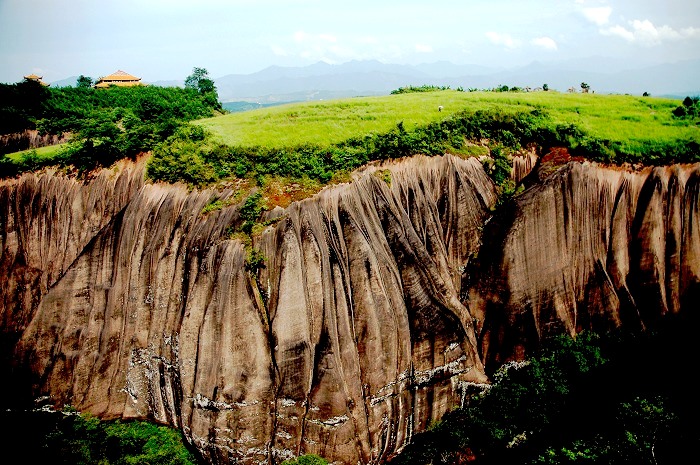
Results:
<point x="165" y="39"/>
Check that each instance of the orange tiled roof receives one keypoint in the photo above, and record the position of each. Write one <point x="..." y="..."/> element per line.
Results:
<point x="34" y="77"/>
<point x="118" y="84"/>
<point x="120" y="76"/>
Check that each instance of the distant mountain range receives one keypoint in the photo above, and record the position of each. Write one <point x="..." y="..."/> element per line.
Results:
<point x="321" y="80"/>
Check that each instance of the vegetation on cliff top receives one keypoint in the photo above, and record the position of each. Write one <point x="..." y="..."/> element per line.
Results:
<point x="105" y="124"/>
<point x="311" y="144"/>
<point x="629" y="121"/>
<point x="321" y="140"/>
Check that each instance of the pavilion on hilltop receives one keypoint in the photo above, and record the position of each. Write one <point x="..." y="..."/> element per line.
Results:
<point x="118" y="78"/>
<point x="34" y="77"/>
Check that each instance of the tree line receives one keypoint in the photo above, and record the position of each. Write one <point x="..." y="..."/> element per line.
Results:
<point x="105" y="124"/>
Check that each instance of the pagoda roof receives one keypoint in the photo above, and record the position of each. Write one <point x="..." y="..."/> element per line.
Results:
<point x="120" y="76"/>
<point x="34" y="77"/>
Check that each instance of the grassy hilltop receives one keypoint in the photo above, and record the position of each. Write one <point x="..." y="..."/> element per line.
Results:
<point x="320" y="141"/>
<point x="629" y="120"/>
<point x="310" y="144"/>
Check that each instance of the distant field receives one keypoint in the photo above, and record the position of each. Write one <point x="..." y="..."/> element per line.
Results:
<point x="631" y="120"/>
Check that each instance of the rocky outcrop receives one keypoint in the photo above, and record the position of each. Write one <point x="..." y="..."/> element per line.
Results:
<point x="379" y="304"/>
<point x="123" y="299"/>
<point x="28" y="139"/>
<point x="588" y="247"/>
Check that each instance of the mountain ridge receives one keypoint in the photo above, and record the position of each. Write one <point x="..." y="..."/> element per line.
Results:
<point x="354" y="78"/>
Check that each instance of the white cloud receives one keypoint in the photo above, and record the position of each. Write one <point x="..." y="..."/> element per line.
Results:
<point x="502" y="39"/>
<point x="545" y="42"/>
<point x="327" y="38"/>
<point x="599" y="15"/>
<point x="645" y="33"/>
<point x="279" y="51"/>
<point x="422" y="48"/>
<point x="300" y="36"/>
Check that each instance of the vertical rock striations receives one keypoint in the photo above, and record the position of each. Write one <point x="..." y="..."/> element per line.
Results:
<point x="589" y="247"/>
<point x="126" y="300"/>
<point x="129" y="302"/>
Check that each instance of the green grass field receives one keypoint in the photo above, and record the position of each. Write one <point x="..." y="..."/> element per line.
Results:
<point x="630" y="120"/>
<point x="41" y="152"/>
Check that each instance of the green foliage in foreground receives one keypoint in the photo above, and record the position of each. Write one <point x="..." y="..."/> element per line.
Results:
<point x="593" y="400"/>
<point x="308" y="459"/>
<point x="79" y="439"/>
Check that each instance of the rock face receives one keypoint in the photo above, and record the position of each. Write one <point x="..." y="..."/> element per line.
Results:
<point x="28" y="139"/>
<point x="371" y="317"/>
<point x="588" y="247"/>
<point x="123" y="299"/>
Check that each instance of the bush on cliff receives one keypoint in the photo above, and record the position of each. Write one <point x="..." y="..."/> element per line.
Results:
<point x="308" y="459"/>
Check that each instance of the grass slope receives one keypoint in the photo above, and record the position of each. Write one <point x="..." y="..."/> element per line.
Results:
<point x="630" y="120"/>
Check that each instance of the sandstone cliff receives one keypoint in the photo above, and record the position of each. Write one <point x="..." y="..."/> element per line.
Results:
<point x="377" y="307"/>
<point x="127" y="301"/>
<point x="588" y="247"/>
<point x="28" y="139"/>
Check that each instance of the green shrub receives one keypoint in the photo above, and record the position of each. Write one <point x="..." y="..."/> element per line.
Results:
<point x="423" y="88"/>
<point x="71" y="438"/>
<point x="255" y="260"/>
<point x="308" y="459"/>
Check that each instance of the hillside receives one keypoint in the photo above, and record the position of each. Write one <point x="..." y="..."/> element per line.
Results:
<point x="619" y="118"/>
<point x="333" y="278"/>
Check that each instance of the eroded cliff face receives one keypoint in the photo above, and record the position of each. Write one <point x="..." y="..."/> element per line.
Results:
<point x="28" y="139"/>
<point x="588" y="247"/>
<point x="380" y="303"/>
<point x="122" y="299"/>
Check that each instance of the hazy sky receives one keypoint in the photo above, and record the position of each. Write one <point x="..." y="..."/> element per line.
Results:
<point x="165" y="39"/>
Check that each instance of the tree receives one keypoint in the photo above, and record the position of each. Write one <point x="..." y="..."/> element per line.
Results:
<point x="585" y="87"/>
<point x="84" y="81"/>
<point x="645" y="422"/>
<point x="545" y="87"/>
<point x="199" y="80"/>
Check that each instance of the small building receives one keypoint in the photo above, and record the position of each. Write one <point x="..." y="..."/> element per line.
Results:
<point x="118" y="78"/>
<point x="34" y="77"/>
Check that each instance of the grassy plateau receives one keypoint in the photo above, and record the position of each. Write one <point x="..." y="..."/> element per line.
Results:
<point x="629" y="120"/>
